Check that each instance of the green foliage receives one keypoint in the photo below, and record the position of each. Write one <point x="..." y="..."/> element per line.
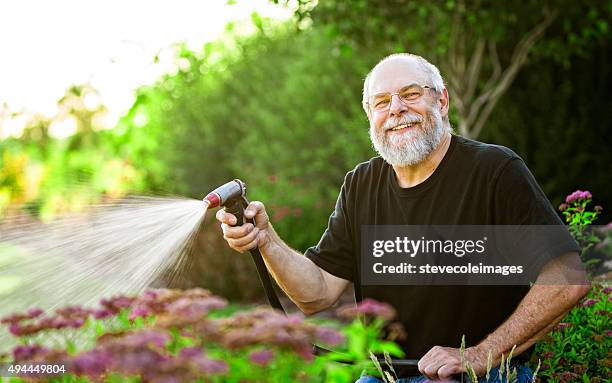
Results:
<point x="580" y="345"/>
<point x="272" y="109"/>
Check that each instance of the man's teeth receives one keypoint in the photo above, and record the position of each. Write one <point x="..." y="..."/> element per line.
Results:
<point x="402" y="126"/>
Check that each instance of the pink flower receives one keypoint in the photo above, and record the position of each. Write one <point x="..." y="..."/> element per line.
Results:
<point x="139" y="311"/>
<point x="548" y="355"/>
<point x="589" y="302"/>
<point x="607" y="290"/>
<point x="262" y="357"/>
<point x="578" y="195"/>
<point x="368" y="307"/>
<point x="28" y="352"/>
<point x="608" y="333"/>
<point x="34" y="313"/>
<point x="329" y="336"/>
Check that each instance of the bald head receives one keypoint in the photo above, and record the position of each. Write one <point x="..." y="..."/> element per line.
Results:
<point x="398" y="66"/>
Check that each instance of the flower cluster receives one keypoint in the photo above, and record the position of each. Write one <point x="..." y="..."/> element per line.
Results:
<point x="176" y="308"/>
<point x="35" y="320"/>
<point x="180" y="342"/>
<point x="368" y="307"/>
<point x="578" y="195"/>
<point x="269" y="327"/>
<point x="144" y="353"/>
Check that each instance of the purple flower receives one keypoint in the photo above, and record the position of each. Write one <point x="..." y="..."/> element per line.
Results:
<point x="262" y="357"/>
<point x="76" y="323"/>
<point x="15" y="329"/>
<point x="28" y="352"/>
<point x="548" y="355"/>
<point x="329" y="336"/>
<point x="191" y="352"/>
<point x="589" y="302"/>
<point x="147" y="337"/>
<point x="607" y="290"/>
<point x="34" y="313"/>
<point x="210" y="366"/>
<point x="608" y="333"/>
<point x="578" y="195"/>
<point x="92" y="363"/>
<point x="102" y="313"/>
<point x="368" y="307"/>
<point x="139" y="311"/>
<point x="195" y="308"/>
<point x="195" y="356"/>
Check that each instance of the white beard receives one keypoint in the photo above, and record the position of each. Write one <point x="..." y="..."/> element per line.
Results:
<point x="413" y="146"/>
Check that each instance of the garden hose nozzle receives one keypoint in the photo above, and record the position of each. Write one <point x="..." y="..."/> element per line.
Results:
<point x="232" y="196"/>
<point x="226" y="194"/>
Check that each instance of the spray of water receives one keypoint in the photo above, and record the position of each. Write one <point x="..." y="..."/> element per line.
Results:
<point x="116" y="249"/>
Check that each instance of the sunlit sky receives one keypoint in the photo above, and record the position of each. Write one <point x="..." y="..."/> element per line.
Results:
<point x="46" y="46"/>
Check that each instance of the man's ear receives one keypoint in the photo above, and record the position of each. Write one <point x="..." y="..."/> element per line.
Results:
<point x="444" y="103"/>
<point x="366" y="109"/>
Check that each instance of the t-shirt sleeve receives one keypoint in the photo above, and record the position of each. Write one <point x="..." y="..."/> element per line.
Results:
<point x="519" y="200"/>
<point x="334" y="253"/>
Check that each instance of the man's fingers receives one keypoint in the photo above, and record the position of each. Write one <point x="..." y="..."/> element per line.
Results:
<point x="224" y="217"/>
<point x="448" y="370"/>
<point x="253" y="209"/>
<point x="243" y="241"/>
<point x="234" y="232"/>
<point x="257" y="210"/>
<point x="246" y="247"/>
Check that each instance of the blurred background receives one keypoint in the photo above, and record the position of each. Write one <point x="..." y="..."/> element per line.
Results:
<point x="101" y="100"/>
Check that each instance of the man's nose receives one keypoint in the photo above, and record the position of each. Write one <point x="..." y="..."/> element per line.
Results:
<point x="397" y="106"/>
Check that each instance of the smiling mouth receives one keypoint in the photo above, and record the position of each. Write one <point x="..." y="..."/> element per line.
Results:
<point x="404" y="126"/>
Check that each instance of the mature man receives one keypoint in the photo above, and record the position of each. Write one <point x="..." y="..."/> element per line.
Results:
<point x="425" y="176"/>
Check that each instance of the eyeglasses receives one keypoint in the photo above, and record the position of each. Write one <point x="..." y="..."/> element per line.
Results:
<point x="409" y="94"/>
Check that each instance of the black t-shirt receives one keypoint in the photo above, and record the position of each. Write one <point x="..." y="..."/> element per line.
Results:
<point x="474" y="184"/>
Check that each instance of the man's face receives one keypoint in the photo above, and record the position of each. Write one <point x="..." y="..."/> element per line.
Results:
<point x="419" y="126"/>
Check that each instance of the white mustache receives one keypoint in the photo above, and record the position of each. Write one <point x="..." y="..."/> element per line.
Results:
<point x="408" y="119"/>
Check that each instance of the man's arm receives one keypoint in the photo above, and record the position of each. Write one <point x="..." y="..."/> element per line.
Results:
<point x="311" y="288"/>
<point x="554" y="294"/>
<point x="542" y="307"/>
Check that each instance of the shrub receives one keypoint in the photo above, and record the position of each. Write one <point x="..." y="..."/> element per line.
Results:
<point x="185" y="335"/>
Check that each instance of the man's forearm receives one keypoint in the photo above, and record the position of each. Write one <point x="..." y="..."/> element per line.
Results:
<point x="542" y="307"/>
<point x="297" y="275"/>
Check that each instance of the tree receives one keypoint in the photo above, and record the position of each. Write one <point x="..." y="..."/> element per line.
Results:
<point x="480" y="46"/>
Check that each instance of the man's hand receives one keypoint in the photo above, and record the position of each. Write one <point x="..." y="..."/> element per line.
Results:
<point x="444" y="362"/>
<point x="246" y="237"/>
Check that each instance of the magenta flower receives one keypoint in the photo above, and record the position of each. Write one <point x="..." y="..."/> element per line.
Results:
<point x="608" y="333"/>
<point x="34" y="313"/>
<point x="92" y="363"/>
<point x="578" y="195"/>
<point x="147" y="337"/>
<point x="139" y="311"/>
<point x="369" y="307"/>
<point x="262" y="357"/>
<point x="329" y="336"/>
<point x="548" y="355"/>
<point x="589" y="302"/>
<point x="195" y="356"/>
<point x="28" y="352"/>
<point x="102" y="313"/>
<point x="607" y="290"/>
